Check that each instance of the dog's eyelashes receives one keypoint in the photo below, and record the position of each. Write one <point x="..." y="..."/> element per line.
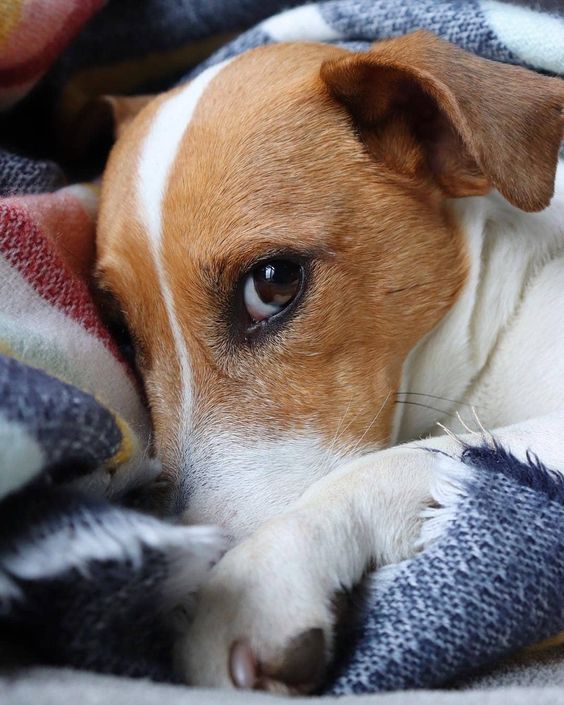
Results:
<point x="270" y="287"/>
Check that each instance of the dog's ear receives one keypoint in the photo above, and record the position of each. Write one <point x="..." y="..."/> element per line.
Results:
<point x="426" y="107"/>
<point x="100" y="122"/>
<point x="118" y="111"/>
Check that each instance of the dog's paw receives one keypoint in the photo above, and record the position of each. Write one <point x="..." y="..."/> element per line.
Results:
<point x="264" y="621"/>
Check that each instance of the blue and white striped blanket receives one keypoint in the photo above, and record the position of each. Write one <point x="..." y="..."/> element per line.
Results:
<point x="515" y="33"/>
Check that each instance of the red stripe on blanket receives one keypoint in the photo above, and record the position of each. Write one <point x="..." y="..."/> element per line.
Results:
<point x="39" y="62"/>
<point x="29" y="251"/>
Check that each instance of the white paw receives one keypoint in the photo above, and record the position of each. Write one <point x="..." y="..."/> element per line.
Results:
<point x="264" y="620"/>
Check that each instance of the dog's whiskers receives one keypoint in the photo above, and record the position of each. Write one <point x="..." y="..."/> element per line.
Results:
<point x="458" y="402"/>
<point x="337" y="447"/>
<point x="443" y="412"/>
<point x="465" y="426"/>
<point x="480" y="424"/>
<point x="354" y="448"/>
<point x="487" y="436"/>
<point x="336" y="434"/>
<point x="449" y="433"/>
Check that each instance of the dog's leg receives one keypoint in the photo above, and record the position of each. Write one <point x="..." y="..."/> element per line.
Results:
<point x="265" y="619"/>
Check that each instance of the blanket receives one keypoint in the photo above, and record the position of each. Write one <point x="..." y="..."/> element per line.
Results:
<point x="74" y="434"/>
<point x="80" y="577"/>
<point x="487" y="584"/>
<point x="89" y="580"/>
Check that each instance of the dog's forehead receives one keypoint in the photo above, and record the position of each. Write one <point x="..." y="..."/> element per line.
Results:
<point x="251" y="108"/>
<point x="199" y="149"/>
<point x="245" y="138"/>
<point x="229" y="100"/>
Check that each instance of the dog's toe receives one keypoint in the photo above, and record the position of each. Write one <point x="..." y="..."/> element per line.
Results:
<point x="300" y="669"/>
<point x="258" y="626"/>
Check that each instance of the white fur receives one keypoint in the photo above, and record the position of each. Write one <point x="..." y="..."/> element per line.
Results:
<point x="535" y="37"/>
<point x="157" y="157"/>
<point x="282" y="580"/>
<point x="301" y="24"/>
<point x="263" y="474"/>
<point x="493" y="350"/>
<point x="447" y="489"/>
<point x="500" y="348"/>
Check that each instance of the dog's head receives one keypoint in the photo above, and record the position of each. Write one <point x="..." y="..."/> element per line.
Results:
<point x="278" y="236"/>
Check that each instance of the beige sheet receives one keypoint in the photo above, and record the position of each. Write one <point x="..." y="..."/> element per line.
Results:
<point x="531" y="681"/>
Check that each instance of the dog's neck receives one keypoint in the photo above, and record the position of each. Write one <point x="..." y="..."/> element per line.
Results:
<point x="479" y="347"/>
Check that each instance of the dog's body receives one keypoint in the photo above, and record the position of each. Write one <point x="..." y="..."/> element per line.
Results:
<point x="499" y="349"/>
<point x="274" y="425"/>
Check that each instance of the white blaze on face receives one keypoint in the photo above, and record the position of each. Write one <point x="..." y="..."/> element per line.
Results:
<point x="157" y="156"/>
<point x="223" y="477"/>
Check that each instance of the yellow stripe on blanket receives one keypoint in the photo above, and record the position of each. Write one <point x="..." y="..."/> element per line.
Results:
<point x="550" y="643"/>
<point x="5" y="349"/>
<point x="10" y="15"/>
<point x="126" y="449"/>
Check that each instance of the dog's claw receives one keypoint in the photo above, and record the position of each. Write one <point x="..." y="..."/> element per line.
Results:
<point x="242" y="665"/>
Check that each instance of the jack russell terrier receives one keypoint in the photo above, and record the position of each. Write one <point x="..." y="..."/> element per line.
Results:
<point x="298" y="239"/>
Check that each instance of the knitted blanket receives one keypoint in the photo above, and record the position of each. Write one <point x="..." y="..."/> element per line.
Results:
<point x="83" y="581"/>
<point x="489" y="583"/>
<point x="86" y="579"/>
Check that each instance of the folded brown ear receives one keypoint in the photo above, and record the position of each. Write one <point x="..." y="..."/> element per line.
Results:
<point x="469" y="122"/>
<point x="119" y="111"/>
<point x="100" y="122"/>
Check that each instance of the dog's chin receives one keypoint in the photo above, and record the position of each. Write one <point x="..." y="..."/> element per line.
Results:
<point x="237" y="509"/>
<point x="240" y="484"/>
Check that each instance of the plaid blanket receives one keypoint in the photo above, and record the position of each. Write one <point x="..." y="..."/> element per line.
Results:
<point x="86" y="579"/>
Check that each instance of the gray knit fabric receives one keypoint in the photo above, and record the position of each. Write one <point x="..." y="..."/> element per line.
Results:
<point x="490" y="585"/>
<point x="467" y="23"/>
<point x="20" y="175"/>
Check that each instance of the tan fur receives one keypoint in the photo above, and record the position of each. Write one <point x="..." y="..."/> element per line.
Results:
<point x="296" y="178"/>
<point x="313" y="149"/>
<point x="481" y="121"/>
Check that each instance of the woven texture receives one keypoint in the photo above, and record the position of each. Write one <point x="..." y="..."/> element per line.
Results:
<point x="491" y="584"/>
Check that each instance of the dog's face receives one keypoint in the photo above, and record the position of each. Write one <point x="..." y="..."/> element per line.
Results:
<point x="278" y="237"/>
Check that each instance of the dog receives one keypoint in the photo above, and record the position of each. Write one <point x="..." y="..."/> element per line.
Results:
<point x="298" y="239"/>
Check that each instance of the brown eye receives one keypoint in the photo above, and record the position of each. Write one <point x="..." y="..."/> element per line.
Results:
<point x="270" y="287"/>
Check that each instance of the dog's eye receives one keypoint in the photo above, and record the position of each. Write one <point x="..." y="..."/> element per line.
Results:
<point x="270" y="287"/>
